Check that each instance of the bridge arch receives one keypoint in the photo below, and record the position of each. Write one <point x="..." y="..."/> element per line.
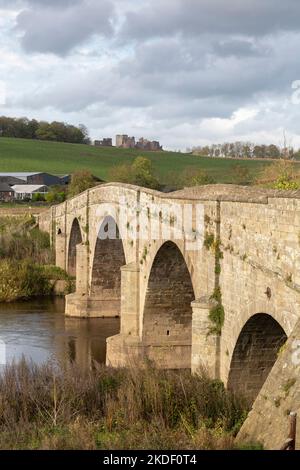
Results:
<point x="109" y="257"/>
<point x="167" y="318"/>
<point x="74" y="240"/>
<point x="255" y="354"/>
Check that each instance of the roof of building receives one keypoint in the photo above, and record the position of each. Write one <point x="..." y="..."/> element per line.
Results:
<point x="22" y="176"/>
<point x="28" y="188"/>
<point x="5" y="188"/>
<point x="25" y="175"/>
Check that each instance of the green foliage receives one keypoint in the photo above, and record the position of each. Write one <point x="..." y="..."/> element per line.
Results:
<point x="22" y="280"/>
<point x="217" y="317"/>
<point x="209" y="240"/>
<point x="217" y="313"/>
<point x="140" y="173"/>
<point x="56" y="195"/>
<point x="80" y="182"/>
<point x="285" y="185"/>
<point x="25" y="254"/>
<point x="56" y="131"/>
<point x="55" y="273"/>
<point x="218" y="256"/>
<point x="38" y="197"/>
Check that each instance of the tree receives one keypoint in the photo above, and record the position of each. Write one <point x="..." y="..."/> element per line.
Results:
<point x="121" y="173"/>
<point x="85" y="133"/>
<point x="81" y="181"/>
<point x="45" y="132"/>
<point x="140" y="173"/>
<point x="273" y="151"/>
<point x="56" y="195"/>
<point x="55" y="131"/>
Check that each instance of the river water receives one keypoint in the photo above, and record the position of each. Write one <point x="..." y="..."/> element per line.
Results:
<point x="39" y="331"/>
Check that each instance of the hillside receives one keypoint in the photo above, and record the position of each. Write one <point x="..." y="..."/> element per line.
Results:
<point x="61" y="158"/>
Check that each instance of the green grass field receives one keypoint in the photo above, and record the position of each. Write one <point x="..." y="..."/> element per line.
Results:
<point x="17" y="155"/>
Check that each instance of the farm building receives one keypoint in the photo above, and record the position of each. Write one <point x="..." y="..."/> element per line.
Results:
<point x="6" y="192"/>
<point x="26" y="191"/>
<point x="34" y="178"/>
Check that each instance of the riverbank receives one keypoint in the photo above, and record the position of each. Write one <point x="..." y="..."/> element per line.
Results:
<point x="49" y="407"/>
<point x="27" y="261"/>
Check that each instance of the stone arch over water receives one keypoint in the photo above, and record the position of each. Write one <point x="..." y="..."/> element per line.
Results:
<point x="167" y="319"/>
<point x="75" y="239"/>
<point x="109" y="257"/>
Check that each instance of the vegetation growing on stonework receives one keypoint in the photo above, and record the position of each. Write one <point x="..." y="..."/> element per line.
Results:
<point x="216" y="313"/>
<point x="218" y="256"/>
<point x="209" y="239"/>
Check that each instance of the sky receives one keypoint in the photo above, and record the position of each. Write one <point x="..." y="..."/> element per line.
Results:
<point x="185" y="72"/>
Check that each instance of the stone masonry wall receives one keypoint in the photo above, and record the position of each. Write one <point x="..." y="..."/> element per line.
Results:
<point x="260" y="266"/>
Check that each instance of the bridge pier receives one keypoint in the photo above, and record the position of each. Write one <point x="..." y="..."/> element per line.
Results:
<point x="128" y="348"/>
<point x="205" y="345"/>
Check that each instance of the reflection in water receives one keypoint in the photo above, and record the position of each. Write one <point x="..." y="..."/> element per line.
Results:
<point x="39" y="331"/>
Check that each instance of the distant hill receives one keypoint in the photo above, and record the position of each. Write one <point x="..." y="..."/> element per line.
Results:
<point x="19" y="155"/>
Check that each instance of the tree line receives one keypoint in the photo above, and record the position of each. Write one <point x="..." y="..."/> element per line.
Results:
<point x="246" y="150"/>
<point x="25" y="128"/>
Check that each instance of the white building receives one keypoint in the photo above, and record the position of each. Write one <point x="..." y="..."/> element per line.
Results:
<point x="26" y="191"/>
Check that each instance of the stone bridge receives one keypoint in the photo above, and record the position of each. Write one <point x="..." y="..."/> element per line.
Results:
<point x="171" y="291"/>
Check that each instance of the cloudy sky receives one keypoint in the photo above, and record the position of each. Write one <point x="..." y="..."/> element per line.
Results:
<point x="187" y="72"/>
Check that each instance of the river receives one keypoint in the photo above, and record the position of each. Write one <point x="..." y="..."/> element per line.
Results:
<point x="39" y="331"/>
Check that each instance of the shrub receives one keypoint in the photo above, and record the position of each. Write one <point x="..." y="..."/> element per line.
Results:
<point x="140" y="173"/>
<point x="281" y="175"/>
<point x="21" y="280"/>
<point x="20" y="239"/>
<point x="81" y="181"/>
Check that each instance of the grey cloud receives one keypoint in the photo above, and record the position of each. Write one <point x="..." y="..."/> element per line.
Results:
<point x="194" y="17"/>
<point x="174" y="80"/>
<point x="237" y="47"/>
<point x="59" y="30"/>
<point x="23" y="3"/>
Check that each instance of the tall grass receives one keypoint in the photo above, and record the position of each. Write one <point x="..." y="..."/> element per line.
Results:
<point x="21" y="239"/>
<point x="63" y="407"/>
